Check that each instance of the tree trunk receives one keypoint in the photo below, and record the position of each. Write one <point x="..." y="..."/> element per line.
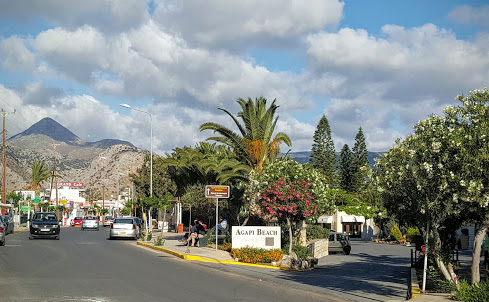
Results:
<point x="439" y="262"/>
<point x="476" y="252"/>
<point x="290" y="235"/>
<point x="246" y="220"/>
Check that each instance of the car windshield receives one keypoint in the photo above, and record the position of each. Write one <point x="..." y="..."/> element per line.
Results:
<point x="78" y="218"/>
<point x="123" y="220"/>
<point x="90" y="218"/>
<point x="44" y="217"/>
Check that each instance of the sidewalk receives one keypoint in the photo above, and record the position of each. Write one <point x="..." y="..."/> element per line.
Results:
<point x="171" y="245"/>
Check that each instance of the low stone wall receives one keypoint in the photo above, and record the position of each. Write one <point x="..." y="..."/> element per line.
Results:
<point x="318" y="248"/>
<point x="413" y="285"/>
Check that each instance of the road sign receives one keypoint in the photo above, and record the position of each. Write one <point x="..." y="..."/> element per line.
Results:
<point x="216" y="191"/>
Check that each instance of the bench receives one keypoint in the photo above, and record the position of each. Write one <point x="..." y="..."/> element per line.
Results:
<point x="220" y="238"/>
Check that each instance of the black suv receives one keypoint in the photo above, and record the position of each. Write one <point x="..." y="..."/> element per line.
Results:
<point x="44" y="224"/>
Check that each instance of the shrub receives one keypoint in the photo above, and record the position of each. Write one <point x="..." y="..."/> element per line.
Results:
<point x="470" y="293"/>
<point x="414" y="236"/>
<point x="226" y="246"/>
<point x="316" y="232"/>
<point x="302" y="252"/>
<point x="396" y="233"/>
<point x="254" y="255"/>
<point x="159" y="241"/>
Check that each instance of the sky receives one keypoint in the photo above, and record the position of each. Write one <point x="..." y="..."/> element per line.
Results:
<point x="380" y="65"/>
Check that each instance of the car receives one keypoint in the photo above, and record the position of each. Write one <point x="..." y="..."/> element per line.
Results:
<point x="8" y="224"/>
<point x="90" y="222"/>
<point x="339" y="242"/>
<point x="77" y="221"/>
<point x="108" y="220"/>
<point x="44" y="224"/>
<point x="125" y="227"/>
<point x="2" y="234"/>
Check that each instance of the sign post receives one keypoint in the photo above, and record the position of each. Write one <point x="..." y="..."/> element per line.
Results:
<point x="216" y="192"/>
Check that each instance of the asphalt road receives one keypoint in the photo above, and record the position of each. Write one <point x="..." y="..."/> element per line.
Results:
<point x="372" y="272"/>
<point x="86" y="266"/>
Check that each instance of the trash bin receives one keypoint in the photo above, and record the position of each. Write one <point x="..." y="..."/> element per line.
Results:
<point x="180" y="227"/>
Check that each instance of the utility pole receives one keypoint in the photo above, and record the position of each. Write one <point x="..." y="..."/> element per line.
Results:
<point x="4" y="175"/>
<point x="52" y="178"/>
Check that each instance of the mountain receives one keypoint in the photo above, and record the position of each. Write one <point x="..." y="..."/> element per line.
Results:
<point x="303" y="156"/>
<point x="51" y="128"/>
<point x="107" y="162"/>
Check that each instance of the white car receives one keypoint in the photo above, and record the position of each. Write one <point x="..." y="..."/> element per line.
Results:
<point x="108" y="220"/>
<point x="125" y="228"/>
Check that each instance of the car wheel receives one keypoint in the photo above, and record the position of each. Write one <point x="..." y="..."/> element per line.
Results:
<point x="31" y="237"/>
<point x="82" y="229"/>
<point x="2" y="243"/>
<point x="347" y="250"/>
<point x="57" y="237"/>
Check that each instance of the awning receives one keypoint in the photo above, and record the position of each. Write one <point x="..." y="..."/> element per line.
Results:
<point x="351" y="218"/>
<point x="325" y="219"/>
<point x="5" y="205"/>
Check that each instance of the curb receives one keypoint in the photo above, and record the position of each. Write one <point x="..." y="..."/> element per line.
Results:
<point x="203" y="259"/>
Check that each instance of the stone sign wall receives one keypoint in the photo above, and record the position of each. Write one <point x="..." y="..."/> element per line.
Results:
<point x="256" y="236"/>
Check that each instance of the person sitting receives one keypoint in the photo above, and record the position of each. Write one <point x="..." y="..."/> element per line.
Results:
<point x="193" y="228"/>
<point x="195" y="235"/>
<point x="223" y="224"/>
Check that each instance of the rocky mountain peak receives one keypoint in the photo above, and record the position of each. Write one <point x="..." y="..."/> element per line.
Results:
<point x="51" y="128"/>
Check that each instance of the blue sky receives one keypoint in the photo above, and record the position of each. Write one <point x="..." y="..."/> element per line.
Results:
<point x="379" y="65"/>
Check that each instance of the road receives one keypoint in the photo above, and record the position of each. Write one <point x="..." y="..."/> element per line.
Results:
<point x="372" y="272"/>
<point x="86" y="266"/>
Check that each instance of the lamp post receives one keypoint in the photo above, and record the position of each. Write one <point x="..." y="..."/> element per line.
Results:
<point x="151" y="146"/>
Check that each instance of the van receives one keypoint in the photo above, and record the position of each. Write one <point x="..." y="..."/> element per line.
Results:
<point x="339" y="242"/>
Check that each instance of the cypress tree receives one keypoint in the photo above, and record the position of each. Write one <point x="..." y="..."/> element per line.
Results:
<point x="346" y="169"/>
<point x="360" y="160"/>
<point x="323" y="155"/>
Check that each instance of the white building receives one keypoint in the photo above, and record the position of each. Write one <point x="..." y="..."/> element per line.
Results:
<point x="354" y="226"/>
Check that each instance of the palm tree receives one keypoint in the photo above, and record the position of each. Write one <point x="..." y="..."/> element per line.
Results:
<point x="254" y="144"/>
<point x="39" y="174"/>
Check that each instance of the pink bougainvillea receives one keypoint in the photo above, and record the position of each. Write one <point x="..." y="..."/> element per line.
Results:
<point x="293" y="199"/>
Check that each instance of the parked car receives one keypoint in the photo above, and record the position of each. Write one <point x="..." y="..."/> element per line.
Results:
<point x="77" y="221"/>
<point x="339" y="242"/>
<point x="2" y="234"/>
<point x="44" y="224"/>
<point x="90" y="222"/>
<point x="125" y="228"/>
<point x="108" y="220"/>
<point x="8" y="224"/>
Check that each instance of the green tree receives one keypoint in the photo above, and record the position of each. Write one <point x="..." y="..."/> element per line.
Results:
<point x="323" y="155"/>
<point x="39" y="174"/>
<point x="291" y="192"/>
<point x="437" y="175"/>
<point x="346" y="169"/>
<point x="360" y="164"/>
<point x="15" y="198"/>
<point x="162" y="182"/>
<point x="254" y="145"/>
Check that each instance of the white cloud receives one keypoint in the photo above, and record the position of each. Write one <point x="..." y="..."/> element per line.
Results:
<point x="106" y="15"/>
<point x="16" y="56"/>
<point x="221" y="22"/>
<point x="470" y="15"/>
<point x="387" y="84"/>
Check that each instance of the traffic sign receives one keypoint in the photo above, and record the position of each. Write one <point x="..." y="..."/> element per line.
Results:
<point x="212" y="191"/>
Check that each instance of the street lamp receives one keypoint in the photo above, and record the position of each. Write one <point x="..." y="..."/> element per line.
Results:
<point x="151" y="145"/>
